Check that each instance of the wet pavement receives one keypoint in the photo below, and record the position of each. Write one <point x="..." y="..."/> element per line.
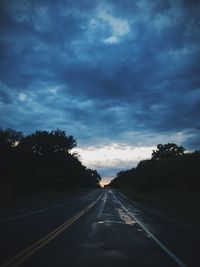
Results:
<point x="112" y="232"/>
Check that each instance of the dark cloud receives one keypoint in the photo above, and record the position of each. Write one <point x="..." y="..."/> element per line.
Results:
<point x="102" y="70"/>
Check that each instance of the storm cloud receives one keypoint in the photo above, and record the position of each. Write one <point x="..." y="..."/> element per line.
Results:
<point x="105" y="71"/>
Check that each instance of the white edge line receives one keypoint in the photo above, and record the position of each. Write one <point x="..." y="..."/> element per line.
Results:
<point x="36" y="211"/>
<point x="195" y="231"/>
<point x="158" y="242"/>
<point x="31" y="213"/>
<point x="19" y="258"/>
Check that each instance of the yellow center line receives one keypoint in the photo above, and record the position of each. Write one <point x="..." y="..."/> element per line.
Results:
<point x="28" y="252"/>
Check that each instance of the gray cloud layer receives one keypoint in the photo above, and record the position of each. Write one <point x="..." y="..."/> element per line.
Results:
<point x="102" y="70"/>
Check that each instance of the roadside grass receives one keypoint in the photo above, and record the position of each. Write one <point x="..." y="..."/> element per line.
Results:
<point x="182" y="207"/>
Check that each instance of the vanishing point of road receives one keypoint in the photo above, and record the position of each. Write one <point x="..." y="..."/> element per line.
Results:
<point x="98" y="228"/>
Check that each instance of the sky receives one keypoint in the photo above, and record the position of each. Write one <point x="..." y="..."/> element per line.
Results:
<point x="121" y="76"/>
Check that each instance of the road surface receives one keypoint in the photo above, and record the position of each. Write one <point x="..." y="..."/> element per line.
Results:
<point x="101" y="228"/>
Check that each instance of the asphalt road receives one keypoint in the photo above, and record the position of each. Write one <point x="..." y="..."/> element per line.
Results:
<point x="101" y="228"/>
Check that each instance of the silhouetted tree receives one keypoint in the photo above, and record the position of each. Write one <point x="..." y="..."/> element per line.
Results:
<point x="41" y="161"/>
<point x="167" y="151"/>
<point x="9" y="138"/>
<point x="93" y="178"/>
<point x="43" y="142"/>
<point x="168" y="169"/>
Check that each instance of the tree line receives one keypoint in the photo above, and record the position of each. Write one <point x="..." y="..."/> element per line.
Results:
<point x="41" y="161"/>
<point x="170" y="168"/>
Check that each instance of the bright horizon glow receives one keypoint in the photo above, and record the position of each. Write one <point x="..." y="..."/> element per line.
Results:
<point x="113" y="156"/>
<point x="104" y="182"/>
